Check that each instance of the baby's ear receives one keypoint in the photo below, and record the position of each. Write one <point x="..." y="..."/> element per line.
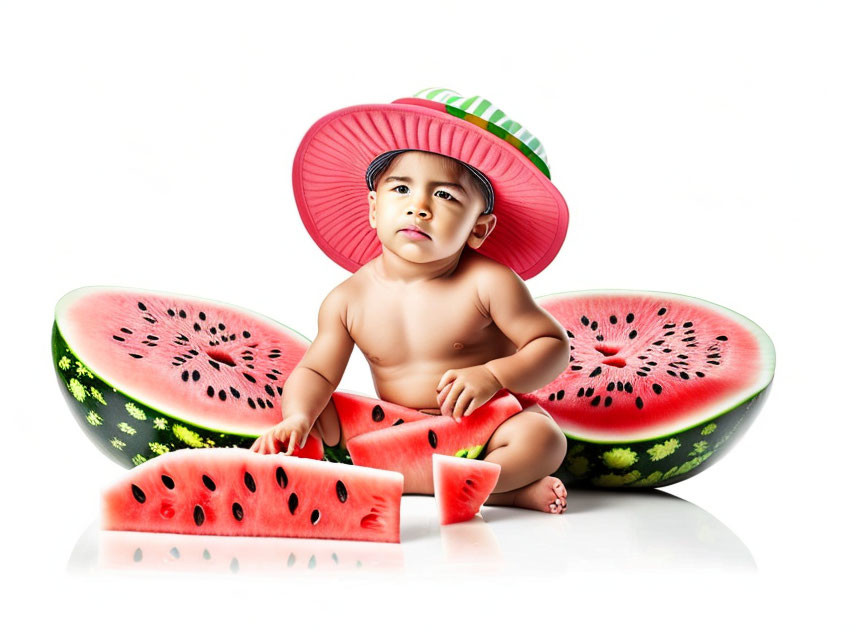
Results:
<point x="371" y="198"/>
<point x="482" y="228"/>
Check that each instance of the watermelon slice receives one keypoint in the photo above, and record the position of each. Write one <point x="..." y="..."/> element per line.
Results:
<point x="462" y="485"/>
<point x="408" y="448"/>
<point x="235" y="492"/>
<point x="659" y="385"/>
<point x="148" y="372"/>
<point x="359" y="414"/>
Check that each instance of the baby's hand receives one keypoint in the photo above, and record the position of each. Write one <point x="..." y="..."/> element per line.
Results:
<point x="461" y="391"/>
<point x="292" y="431"/>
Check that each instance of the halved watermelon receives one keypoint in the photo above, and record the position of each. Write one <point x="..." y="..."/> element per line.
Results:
<point x="659" y="385"/>
<point x="408" y="448"/>
<point x="147" y="372"/>
<point x="235" y="492"/>
<point x="462" y="485"/>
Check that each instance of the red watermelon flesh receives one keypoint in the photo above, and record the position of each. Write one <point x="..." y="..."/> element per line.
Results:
<point x="151" y="360"/>
<point x="359" y="414"/>
<point x="235" y="492"/>
<point x="462" y="485"/>
<point x="644" y="363"/>
<point x="408" y="448"/>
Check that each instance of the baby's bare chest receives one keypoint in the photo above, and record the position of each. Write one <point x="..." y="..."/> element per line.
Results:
<point x="401" y="326"/>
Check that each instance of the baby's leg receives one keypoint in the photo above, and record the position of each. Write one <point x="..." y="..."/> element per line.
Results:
<point x="528" y="446"/>
<point x="328" y="425"/>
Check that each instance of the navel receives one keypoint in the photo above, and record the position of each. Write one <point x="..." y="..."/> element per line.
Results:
<point x="458" y="345"/>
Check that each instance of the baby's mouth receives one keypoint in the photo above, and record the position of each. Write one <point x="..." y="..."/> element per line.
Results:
<point x="415" y="232"/>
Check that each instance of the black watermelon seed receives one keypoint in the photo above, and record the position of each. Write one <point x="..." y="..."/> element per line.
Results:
<point x="688" y="339"/>
<point x="214" y="364"/>
<point x="208" y="482"/>
<point x="581" y="392"/>
<point x="251" y="402"/>
<point x="171" y="312"/>
<point x="248" y="377"/>
<point x="293" y="501"/>
<point x="279" y="390"/>
<point x="273" y="355"/>
<point x="150" y="320"/>
<point x="662" y="311"/>
<point x="222" y="395"/>
<point x="314" y="518"/>
<point x="596" y="372"/>
<point x="135" y="355"/>
<point x="641" y="374"/>
<point x="202" y="316"/>
<point x="724" y="338"/>
<point x="127" y="331"/>
<point x="399" y="421"/>
<point x="141" y="306"/>
<point x="138" y="555"/>
<point x="672" y="373"/>
<point x="643" y="357"/>
<point x="628" y="388"/>
<point x="221" y="327"/>
<point x="585" y="321"/>
<point x="271" y="376"/>
<point x="152" y="337"/>
<point x="589" y="392"/>
<point x="668" y="326"/>
<point x="196" y="376"/>
<point x="119" y="338"/>
<point x="620" y="386"/>
<point x="685" y="376"/>
<point x="560" y="394"/>
<point x="269" y="390"/>
<point x="182" y="313"/>
<point x="213" y="330"/>
<point x="669" y="333"/>
<point x="594" y="326"/>
<point x="233" y="336"/>
<point x="196" y="326"/>
<point x="599" y="338"/>
<point x="211" y="392"/>
<point x="713" y="362"/>
<point x="341" y="491"/>
<point x="433" y="439"/>
<point x="659" y="342"/>
<point x="639" y="403"/>
<point x="570" y="334"/>
<point x="185" y="376"/>
<point x="673" y="364"/>
<point x="269" y="404"/>
<point x="681" y="355"/>
<point x="595" y="401"/>
<point x="613" y="319"/>
<point x="237" y="511"/>
<point x="630" y="317"/>
<point x="687" y="325"/>
<point x="248" y="357"/>
<point x="652" y="363"/>
<point x="577" y="368"/>
<point x="249" y="481"/>
<point x="281" y="477"/>
<point x="657" y="388"/>
<point x="377" y="413"/>
<point x="168" y="481"/>
<point x="261" y="403"/>
<point x="138" y="493"/>
<point x="198" y="514"/>
<point x="469" y="482"/>
<point x="607" y="401"/>
<point x="632" y="334"/>
<point x="610" y="386"/>
<point x="700" y="374"/>
<point x="667" y="350"/>
<point x="234" y="392"/>
<point x="645" y="368"/>
<point x="246" y="334"/>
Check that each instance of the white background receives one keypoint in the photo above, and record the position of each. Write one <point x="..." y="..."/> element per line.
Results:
<point x="706" y="148"/>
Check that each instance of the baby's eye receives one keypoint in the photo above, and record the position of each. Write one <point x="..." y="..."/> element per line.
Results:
<point x="401" y="186"/>
<point x="444" y="195"/>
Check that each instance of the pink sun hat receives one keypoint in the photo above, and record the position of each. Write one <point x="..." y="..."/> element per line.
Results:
<point x="331" y="190"/>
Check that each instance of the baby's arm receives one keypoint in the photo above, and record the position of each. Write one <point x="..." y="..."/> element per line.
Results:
<point x="312" y="382"/>
<point x="543" y="348"/>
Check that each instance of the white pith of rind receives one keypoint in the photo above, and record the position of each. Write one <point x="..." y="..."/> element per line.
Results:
<point x="179" y="413"/>
<point x="717" y="408"/>
<point x="245" y="455"/>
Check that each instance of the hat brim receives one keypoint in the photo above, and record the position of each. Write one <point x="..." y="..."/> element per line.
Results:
<point x="331" y="194"/>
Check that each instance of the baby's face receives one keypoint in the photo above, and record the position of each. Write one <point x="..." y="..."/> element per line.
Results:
<point x="435" y="194"/>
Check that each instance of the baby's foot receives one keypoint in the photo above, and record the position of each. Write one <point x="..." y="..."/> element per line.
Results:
<point x="546" y="494"/>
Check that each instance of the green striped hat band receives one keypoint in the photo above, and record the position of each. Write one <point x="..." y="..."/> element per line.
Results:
<point x="380" y="164"/>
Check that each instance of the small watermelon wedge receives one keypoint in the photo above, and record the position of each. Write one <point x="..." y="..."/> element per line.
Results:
<point x="236" y="492"/>
<point x="462" y="485"/>
<point x="408" y="448"/>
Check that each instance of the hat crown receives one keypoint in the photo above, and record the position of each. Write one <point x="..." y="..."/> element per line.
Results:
<point x="481" y="112"/>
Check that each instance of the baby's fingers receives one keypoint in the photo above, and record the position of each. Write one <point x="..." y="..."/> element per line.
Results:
<point x="462" y="404"/>
<point x="291" y="441"/>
